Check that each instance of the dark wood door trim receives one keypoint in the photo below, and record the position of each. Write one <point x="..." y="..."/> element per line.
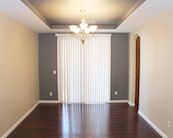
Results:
<point x="137" y="83"/>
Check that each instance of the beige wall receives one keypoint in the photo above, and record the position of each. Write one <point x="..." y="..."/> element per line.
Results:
<point x="156" y="92"/>
<point x="18" y="71"/>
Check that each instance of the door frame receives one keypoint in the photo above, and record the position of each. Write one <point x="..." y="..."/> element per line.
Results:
<point x="137" y="72"/>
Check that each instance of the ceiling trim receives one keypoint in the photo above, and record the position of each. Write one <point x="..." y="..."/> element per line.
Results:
<point x="99" y="26"/>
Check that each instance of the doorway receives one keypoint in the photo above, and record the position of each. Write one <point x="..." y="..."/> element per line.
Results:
<point x="137" y="83"/>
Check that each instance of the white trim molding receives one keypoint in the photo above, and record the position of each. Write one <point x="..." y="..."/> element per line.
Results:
<point x="131" y="104"/>
<point x="19" y="121"/>
<point x="49" y="101"/>
<point x="118" y="101"/>
<point x="162" y="134"/>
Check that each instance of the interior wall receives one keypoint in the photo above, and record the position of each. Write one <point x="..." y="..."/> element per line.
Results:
<point x="156" y="89"/>
<point x="48" y="63"/>
<point x="119" y="66"/>
<point x="19" y="89"/>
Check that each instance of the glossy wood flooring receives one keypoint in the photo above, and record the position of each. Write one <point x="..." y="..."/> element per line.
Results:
<point x="84" y="121"/>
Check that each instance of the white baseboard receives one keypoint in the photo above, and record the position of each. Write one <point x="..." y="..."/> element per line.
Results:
<point x="163" y="135"/>
<point x="112" y="101"/>
<point x="131" y="104"/>
<point x="19" y="121"/>
<point x="118" y="101"/>
<point x="49" y="101"/>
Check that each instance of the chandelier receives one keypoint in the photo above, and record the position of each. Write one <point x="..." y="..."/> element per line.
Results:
<point x="83" y="30"/>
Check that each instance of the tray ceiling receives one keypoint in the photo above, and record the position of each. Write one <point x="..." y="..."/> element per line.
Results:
<point x="107" y="14"/>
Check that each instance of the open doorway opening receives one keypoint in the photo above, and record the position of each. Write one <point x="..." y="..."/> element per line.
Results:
<point x="137" y="83"/>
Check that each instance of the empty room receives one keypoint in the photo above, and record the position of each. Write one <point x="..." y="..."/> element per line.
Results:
<point x="86" y="69"/>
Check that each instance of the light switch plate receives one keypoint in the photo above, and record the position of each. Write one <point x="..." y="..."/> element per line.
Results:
<point x="54" y="72"/>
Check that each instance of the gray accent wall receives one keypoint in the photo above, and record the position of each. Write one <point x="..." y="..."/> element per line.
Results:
<point x="48" y="63"/>
<point x="119" y="66"/>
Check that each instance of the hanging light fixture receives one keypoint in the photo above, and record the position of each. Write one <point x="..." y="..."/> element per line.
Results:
<point x="83" y="30"/>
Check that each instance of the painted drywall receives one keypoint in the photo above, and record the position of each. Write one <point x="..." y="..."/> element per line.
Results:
<point x="19" y="88"/>
<point x="119" y="66"/>
<point x="156" y="83"/>
<point x="48" y="63"/>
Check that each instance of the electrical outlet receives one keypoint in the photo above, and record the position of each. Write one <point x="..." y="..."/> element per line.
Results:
<point x="169" y="124"/>
<point x="50" y="94"/>
<point x="116" y="92"/>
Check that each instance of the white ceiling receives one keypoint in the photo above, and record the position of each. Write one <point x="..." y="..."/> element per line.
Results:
<point x="146" y="12"/>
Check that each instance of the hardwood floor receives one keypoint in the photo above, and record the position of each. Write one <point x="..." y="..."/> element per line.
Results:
<point x="84" y="121"/>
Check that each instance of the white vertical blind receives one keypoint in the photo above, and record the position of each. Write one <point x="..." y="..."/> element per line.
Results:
<point x="97" y="69"/>
<point x="69" y="69"/>
<point x="84" y="71"/>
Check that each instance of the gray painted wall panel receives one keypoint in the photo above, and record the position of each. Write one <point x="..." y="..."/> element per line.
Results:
<point x="47" y="63"/>
<point x="119" y="66"/>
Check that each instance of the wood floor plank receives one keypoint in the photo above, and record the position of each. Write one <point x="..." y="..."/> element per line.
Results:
<point x="84" y="121"/>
